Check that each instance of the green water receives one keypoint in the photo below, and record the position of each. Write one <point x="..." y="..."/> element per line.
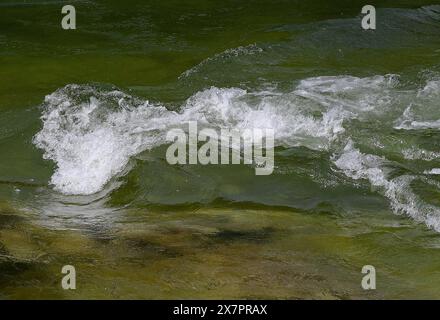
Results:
<point x="356" y="116"/>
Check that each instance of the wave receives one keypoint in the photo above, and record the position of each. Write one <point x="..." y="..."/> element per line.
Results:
<point x="423" y="111"/>
<point x="377" y="171"/>
<point x="420" y="154"/>
<point x="92" y="132"/>
<point x="251" y="49"/>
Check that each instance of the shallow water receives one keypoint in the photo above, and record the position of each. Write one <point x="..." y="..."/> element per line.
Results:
<point x="83" y="175"/>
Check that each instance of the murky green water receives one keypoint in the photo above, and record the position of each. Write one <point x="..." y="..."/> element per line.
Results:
<point x="83" y="175"/>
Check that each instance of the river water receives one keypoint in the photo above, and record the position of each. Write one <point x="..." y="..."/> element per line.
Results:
<point x="84" y="180"/>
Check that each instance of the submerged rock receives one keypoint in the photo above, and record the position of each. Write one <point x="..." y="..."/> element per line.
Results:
<point x="9" y="217"/>
<point x="10" y="266"/>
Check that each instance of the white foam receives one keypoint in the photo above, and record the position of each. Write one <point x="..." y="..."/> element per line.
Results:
<point x="91" y="133"/>
<point x="403" y="200"/>
<point x="423" y="111"/>
<point x="431" y="89"/>
<point x="418" y="125"/>
<point x="420" y="154"/>
<point x="357" y="165"/>
<point x="435" y="171"/>
<point x="92" y="141"/>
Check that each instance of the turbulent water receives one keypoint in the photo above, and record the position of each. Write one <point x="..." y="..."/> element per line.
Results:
<point x="91" y="133"/>
<point x="84" y="118"/>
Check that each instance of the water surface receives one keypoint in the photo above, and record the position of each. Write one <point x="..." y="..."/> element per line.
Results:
<point x="83" y="175"/>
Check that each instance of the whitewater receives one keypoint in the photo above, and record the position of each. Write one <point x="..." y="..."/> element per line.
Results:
<point x="91" y="133"/>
